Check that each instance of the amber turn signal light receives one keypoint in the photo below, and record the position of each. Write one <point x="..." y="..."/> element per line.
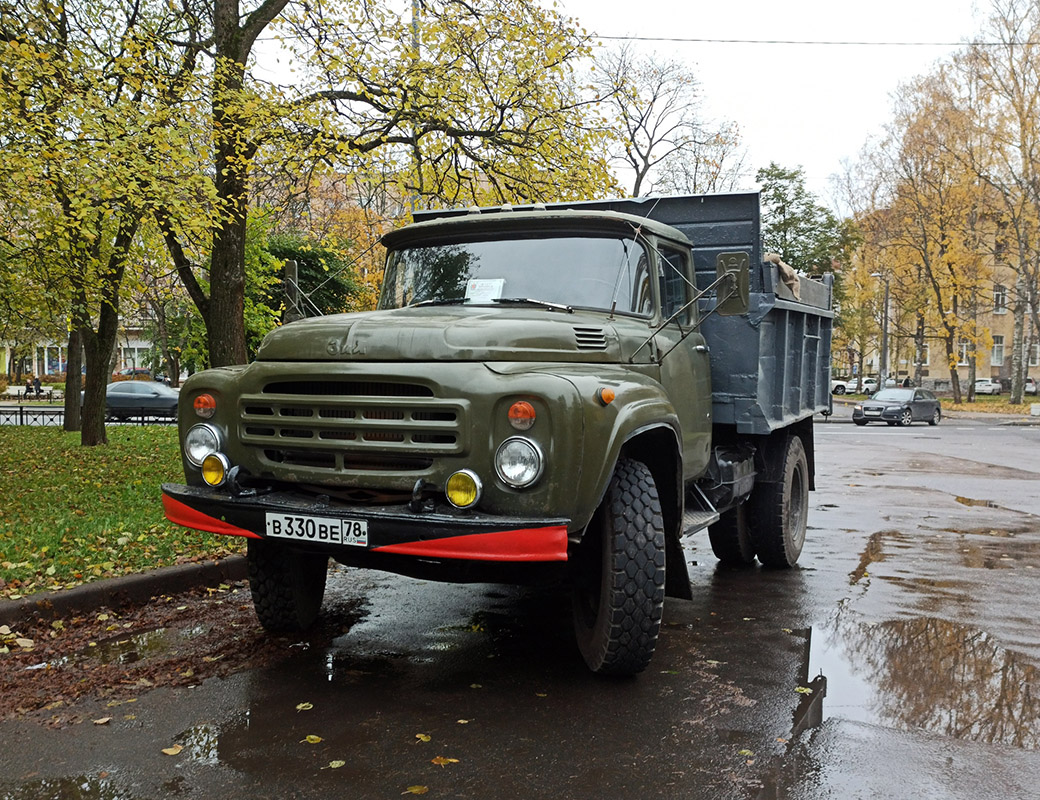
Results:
<point x="521" y="415"/>
<point x="205" y="406"/>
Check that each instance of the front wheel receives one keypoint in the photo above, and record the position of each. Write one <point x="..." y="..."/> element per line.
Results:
<point x="839" y="390"/>
<point x="906" y="417"/>
<point x="779" y="511"/>
<point x="860" y="422"/>
<point x="287" y="586"/>
<point x="620" y="575"/>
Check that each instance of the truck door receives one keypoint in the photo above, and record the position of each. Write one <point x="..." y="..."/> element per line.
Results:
<point x="685" y="365"/>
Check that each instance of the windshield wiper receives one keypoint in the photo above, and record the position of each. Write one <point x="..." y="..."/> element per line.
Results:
<point x="529" y="301"/>
<point x="456" y="301"/>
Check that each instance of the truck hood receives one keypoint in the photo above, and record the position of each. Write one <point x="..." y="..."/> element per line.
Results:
<point x="459" y="333"/>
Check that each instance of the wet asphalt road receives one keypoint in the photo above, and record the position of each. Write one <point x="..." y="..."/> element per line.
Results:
<point x="916" y="599"/>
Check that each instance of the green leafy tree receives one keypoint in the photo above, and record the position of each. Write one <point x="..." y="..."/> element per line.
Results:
<point x="326" y="280"/>
<point x="806" y="234"/>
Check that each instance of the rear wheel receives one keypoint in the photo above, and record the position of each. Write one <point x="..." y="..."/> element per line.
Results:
<point x="839" y="390"/>
<point x="936" y="416"/>
<point x="620" y="575"/>
<point x="287" y="586"/>
<point x="730" y="538"/>
<point x="778" y="511"/>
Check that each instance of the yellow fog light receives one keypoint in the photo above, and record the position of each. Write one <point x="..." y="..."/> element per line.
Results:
<point x="215" y="468"/>
<point x="463" y="489"/>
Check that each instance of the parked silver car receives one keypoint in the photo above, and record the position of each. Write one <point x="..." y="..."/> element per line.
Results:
<point x="987" y="386"/>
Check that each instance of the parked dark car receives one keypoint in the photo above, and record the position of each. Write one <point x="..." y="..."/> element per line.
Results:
<point x="899" y="407"/>
<point x="124" y="399"/>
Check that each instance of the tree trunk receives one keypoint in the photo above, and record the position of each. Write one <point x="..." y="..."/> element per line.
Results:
<point x="73" y="381"/>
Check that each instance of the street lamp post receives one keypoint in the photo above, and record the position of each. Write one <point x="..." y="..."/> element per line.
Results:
<point x="884" y="330"/>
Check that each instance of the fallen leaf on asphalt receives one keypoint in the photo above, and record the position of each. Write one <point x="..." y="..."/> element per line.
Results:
<point x="304" y="706"/>
<point x="103" y="721"/>
<point x="172" y="751"/>
<point x="334" y="765"/>
<point x="423" y="737"/>
<point x="440" y="761"/>
<point x="312" y="739"/>
<point x="462" y="721"/>
<point x="416" y="790"/>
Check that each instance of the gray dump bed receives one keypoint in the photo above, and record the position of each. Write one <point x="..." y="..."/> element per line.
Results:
<point x="771" y="367"/>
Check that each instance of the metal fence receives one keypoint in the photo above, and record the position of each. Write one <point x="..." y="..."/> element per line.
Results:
<point x="55" y="417"/>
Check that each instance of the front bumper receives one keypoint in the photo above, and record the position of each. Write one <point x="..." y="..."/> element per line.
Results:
<point x="429" y="536"/>
<point x="887" y="414"/>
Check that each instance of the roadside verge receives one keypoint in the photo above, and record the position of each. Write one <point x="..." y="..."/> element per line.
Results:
<point x="125" y="590"/>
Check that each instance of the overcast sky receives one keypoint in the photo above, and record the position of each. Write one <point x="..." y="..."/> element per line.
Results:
<point x="808" y="105"/>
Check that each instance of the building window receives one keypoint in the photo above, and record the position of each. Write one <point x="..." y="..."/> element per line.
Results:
<point x="997" y="359"/>
<point x="999" y="298"/>
<point x="962" y="353"/>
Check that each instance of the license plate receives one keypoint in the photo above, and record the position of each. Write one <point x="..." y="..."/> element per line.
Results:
<point x="872" y="413"/>
<point x="320" y="530"/>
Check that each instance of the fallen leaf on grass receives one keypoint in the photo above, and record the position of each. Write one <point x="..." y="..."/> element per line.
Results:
<point x="172" y="751"/>
<point x="440" y="761"/>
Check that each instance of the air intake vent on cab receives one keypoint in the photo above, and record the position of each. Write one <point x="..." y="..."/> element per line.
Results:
<point x="590" y="338"/>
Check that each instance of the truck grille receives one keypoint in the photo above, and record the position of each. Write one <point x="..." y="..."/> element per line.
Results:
<point x="349" y="426"/>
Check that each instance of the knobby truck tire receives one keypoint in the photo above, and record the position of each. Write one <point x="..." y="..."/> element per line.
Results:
<point x="730" y="537"/>
<point x="778" y="512"/>
<point x="619" y="594"/>
<point x="287" y="586"/>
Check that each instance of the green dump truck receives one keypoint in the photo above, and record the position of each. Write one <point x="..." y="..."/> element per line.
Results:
<point x="545" y="394"/>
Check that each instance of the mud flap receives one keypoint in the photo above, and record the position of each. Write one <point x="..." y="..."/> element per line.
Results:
<point x="676" y="575"/>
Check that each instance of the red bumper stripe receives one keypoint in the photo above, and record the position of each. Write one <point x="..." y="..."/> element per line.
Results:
<point x="530" y="544"/>
<point x="178" y="512"/>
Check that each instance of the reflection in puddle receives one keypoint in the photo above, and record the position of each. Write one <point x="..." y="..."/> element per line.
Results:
<point x="968" y="501"/>
<point x="930" y="674"/>
<point x="85" y="787"/>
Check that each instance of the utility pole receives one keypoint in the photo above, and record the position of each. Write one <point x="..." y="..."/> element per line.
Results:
<point x="292" y="293"/>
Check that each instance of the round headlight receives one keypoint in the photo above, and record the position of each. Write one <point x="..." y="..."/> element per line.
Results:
<point x="200" y="441"/>
<point x="215" y="468"/>
<point x="519" y="462"/>
<point x="463" y="489"/>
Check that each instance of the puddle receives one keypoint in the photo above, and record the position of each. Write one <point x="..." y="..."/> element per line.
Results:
<point x="84" y="787"/>
<point x="929" y="674"/>
<point x="133" y="647"/>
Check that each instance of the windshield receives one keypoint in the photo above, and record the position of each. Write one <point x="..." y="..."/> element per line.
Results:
<point x="590" y="272"/>
<point x="899" y="395"/>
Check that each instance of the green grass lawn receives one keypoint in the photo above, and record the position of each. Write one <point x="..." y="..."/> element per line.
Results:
<point x="72" y="514"/>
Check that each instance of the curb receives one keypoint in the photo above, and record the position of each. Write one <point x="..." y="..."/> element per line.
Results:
<point x="122" y="591"/>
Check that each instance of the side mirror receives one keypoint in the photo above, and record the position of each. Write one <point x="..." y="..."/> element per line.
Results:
<point x="733" y="293"/>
